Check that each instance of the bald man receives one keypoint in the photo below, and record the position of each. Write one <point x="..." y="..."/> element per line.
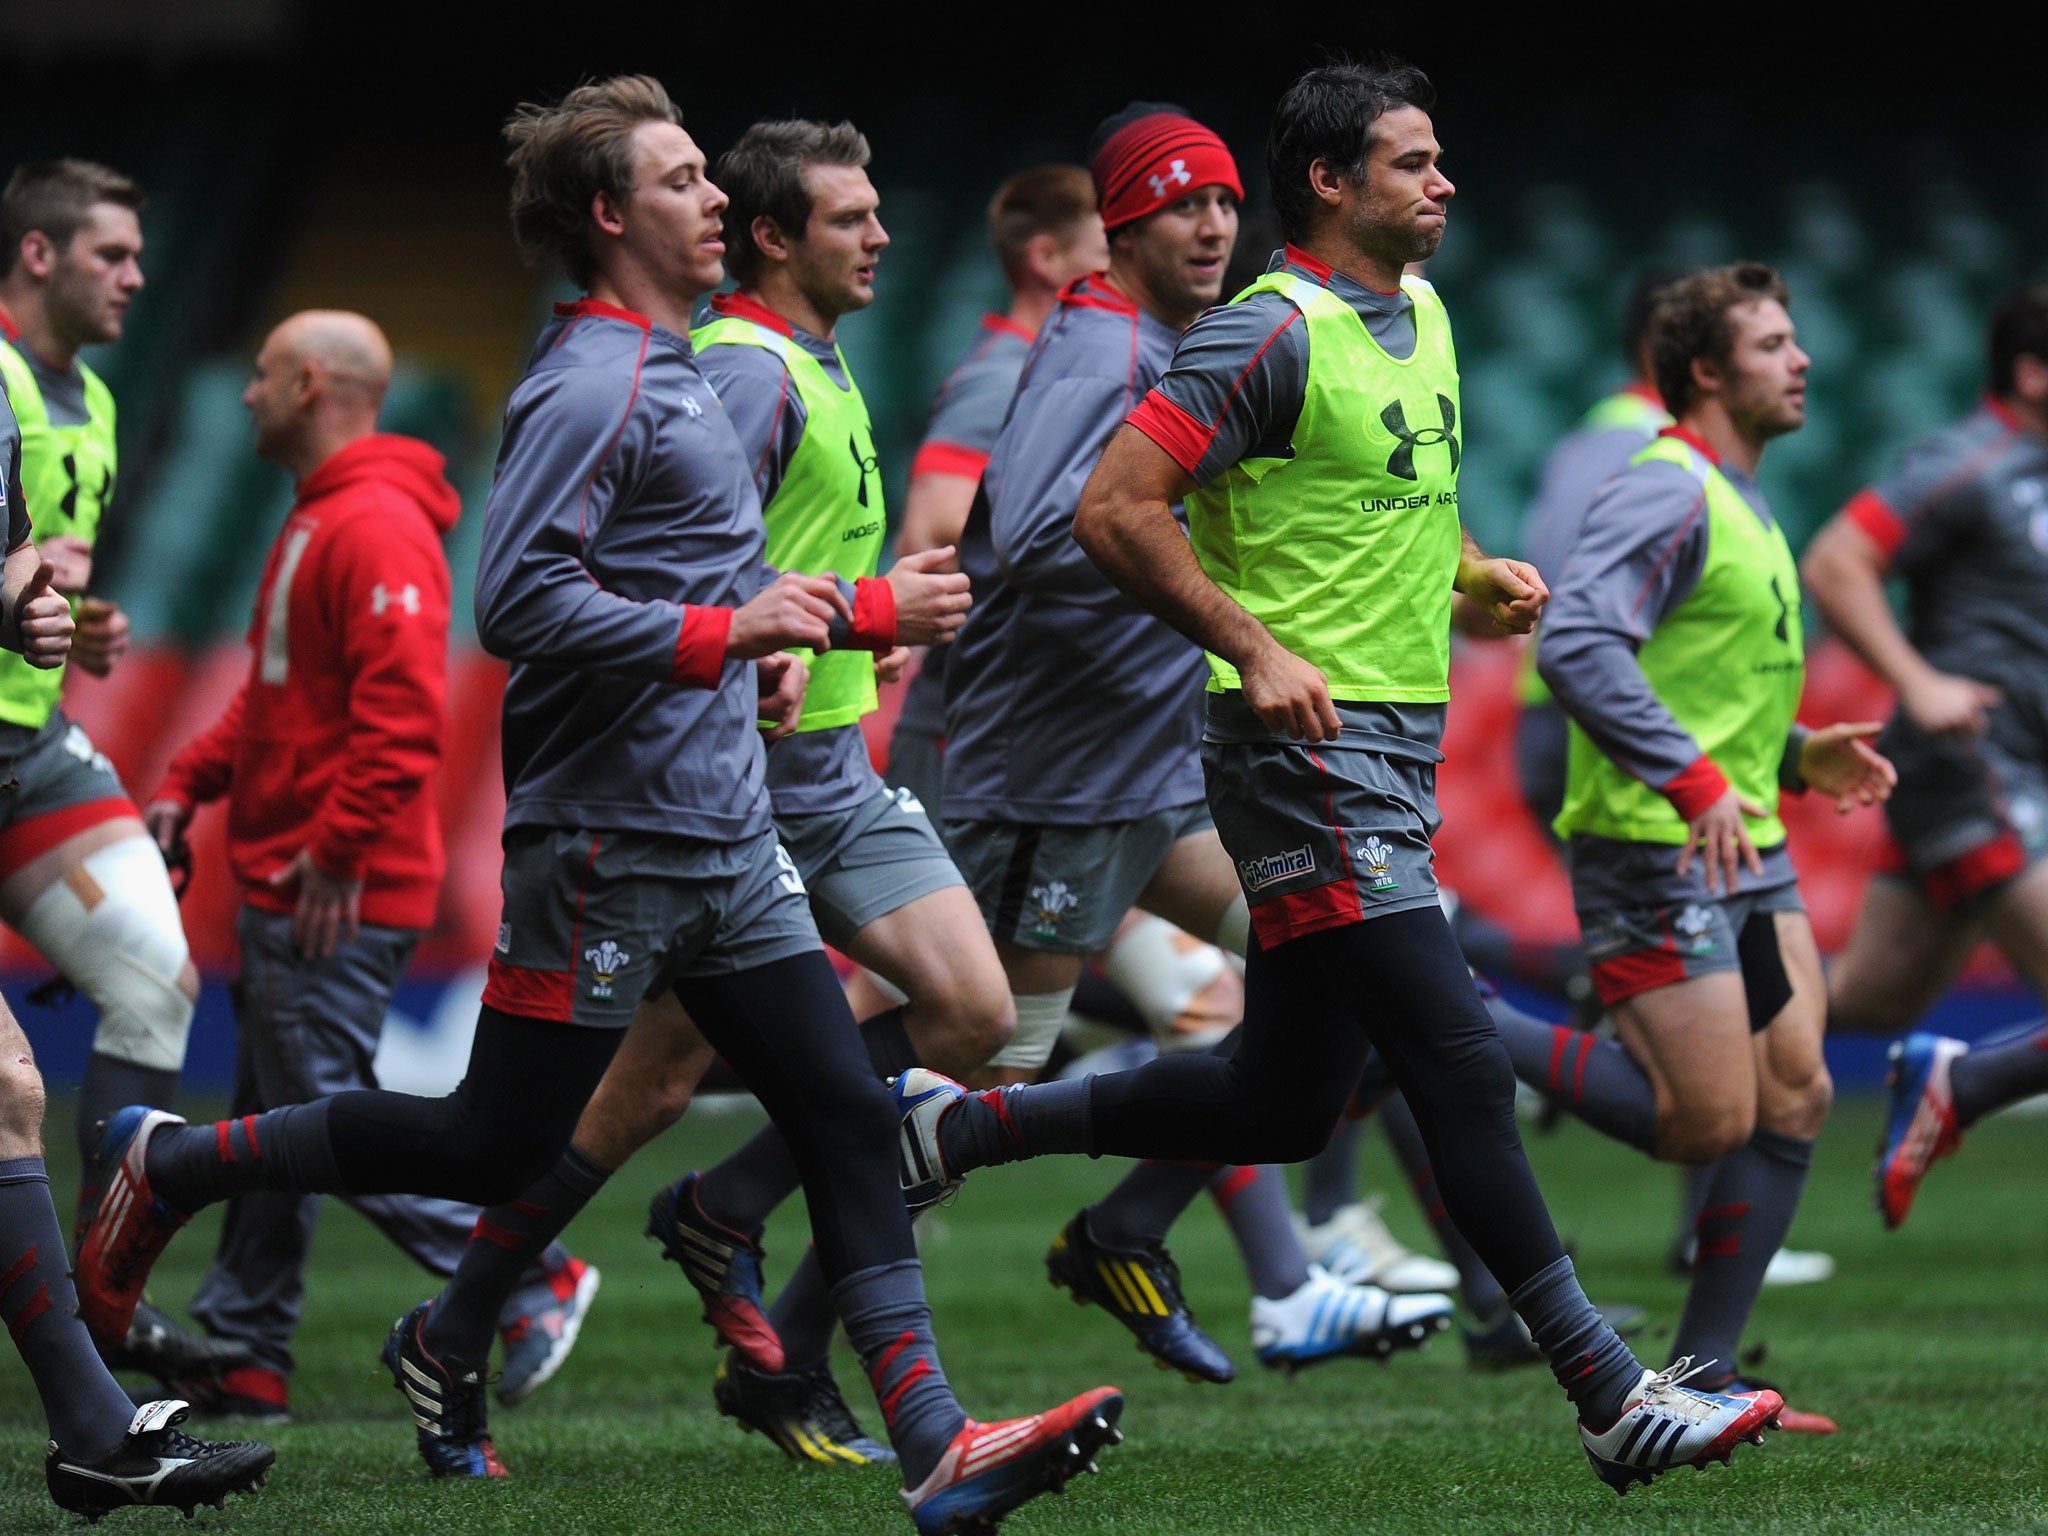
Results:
<point x="327" y="759"/>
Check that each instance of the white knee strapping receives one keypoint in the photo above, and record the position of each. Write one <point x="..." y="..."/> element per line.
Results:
<point x="1233" y="932"/>
<point x="1163" y="972"/>
<point x="111" y="927"/>
<point x="1040" y="1017"/>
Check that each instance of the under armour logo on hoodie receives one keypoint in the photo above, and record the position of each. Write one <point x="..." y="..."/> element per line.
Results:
<point x="407" y="597"/>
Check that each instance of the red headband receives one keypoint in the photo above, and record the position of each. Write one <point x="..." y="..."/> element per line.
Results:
<point x="1155" y="161"/>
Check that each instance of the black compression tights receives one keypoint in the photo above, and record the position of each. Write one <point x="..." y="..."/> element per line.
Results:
<point x="504" y="1126"/>
<point x="1313" y="1009"/>
<point x="785" y="1029"/>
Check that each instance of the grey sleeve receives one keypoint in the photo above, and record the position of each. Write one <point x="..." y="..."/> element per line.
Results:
<point x="969" y="413"/>
<point x="1049" y="448"/>
<point x="1572" y="476"/>
<point x="566" y="459"/>
<point x="16" y="505"/>
<point x="753" y="385"/>
<point x="1234" y="390"/>
<point x="1638" y="555"/>
<point x="1928" y="505"/>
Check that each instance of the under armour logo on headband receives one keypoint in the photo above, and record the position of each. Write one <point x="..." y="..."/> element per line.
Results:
<point x="1176" y="174"/>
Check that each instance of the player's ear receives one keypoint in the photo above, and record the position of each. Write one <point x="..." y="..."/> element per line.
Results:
<point x="607" y="213"/>
<point x="768" y="238"/>
<point x="38" y="253"/>
<point x="2030" y="378"/>
<point x="1706" y="376"/>
<point x="1325" y="183"/>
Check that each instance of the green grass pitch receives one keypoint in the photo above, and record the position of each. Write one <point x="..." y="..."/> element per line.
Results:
<point x="1930" y="1346"/>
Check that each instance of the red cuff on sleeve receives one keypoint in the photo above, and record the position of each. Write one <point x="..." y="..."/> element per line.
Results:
<point x="1868" y="511"/>
<point x="1173" y="429"/>
<point x="342" y="860"/>
<point x="936" y="458"/>
<point x="1697" y="787"/>
<point x="874" y="614"/>
<point x="700" y="648"/>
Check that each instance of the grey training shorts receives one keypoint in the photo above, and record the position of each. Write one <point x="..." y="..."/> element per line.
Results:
<point x="863" y="864"/>
<point x="1061" y="888"/>
<point x="596" y="921"/>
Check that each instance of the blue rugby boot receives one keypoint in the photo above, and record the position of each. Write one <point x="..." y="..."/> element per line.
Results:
<point x="1140" y="1288"/>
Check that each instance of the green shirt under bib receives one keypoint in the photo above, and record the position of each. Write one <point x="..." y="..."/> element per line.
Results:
<point x="67" y="478"/>
<point x="826" y="517"/>
<point x="1729" y="662"/>
<point x="1346" y="547"/>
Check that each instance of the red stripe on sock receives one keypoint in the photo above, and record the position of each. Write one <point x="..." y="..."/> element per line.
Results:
<point x="1560" y="1041"/>
<point x="529" y="1208"/>
<point x="919" y="1369"/>
<point x="38" y="1304"/>
<point x="1720" y="1247"/>
<point x="1436" y="1215"/>
<point x="889" y="1356"/>
<point x="1235" y="1183"/>
<point x="1424" y="1179"/>
<point x="491" y="1232"/>
<point x="18" y="1268"/>
<point x="1722" y="1213"/>
<point x="999" y="1101"/>
<point x="1579" y="1069"/>
<point x="249" y="1130"/>
<point x="227" y="1146"/>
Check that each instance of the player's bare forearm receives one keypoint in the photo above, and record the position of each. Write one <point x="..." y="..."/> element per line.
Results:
<point x="1844" y="570"/>
<point x="1125" y="522"/>
<point x="934" y="512"/>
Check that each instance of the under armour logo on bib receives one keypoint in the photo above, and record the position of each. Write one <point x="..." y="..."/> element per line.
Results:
<point x="1401" y="462"/>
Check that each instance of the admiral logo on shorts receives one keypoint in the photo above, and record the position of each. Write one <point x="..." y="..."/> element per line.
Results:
<point x="1053" y="901"/>
<point x="605" y="960"/>
<point x="1375" y="855"/>
<point x="1261" y="872"/>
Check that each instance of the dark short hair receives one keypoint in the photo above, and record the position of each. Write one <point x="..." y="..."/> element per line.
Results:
<point x="1044" y="200"/>
<point x="1327" y="115"/>
<point x="1644" y="290"/>
<point x="563" y="155"/>
<point x="1695" y="318"/>
<point x="763" y="174"/>
<point x="55" y="198"/>
<point x="2019" y="328"/>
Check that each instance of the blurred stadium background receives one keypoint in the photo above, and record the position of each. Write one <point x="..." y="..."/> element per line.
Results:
<point x="347" y="157"/>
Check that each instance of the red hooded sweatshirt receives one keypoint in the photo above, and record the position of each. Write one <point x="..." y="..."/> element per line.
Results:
<point x="334" y="741"/>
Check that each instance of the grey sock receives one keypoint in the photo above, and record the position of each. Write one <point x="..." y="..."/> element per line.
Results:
<point x="1146" y="1202"/>
<point x="1595" y="1078"/>
<point x="87" y="1412"/>
<point x="1254" y="1203"/>
<point x="1749" y="1210"/>
<point x="1002" y="1125"/>
<point x="1997" y="1073"/>
<point x="1694" y="1182"/>
<point x="1586" y="1356"/>
<point x="802" y="1316"/>
<point x="890" y="1326"/>
<point x="1332" y="1175"/>
<point x="191" y="1166"/>
<point x="508" y="1241"/>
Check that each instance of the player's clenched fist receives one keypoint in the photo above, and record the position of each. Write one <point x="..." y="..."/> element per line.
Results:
<point x="42" y="620"/>
<point x="791" y="610"/>
<point x="931" y="602"/>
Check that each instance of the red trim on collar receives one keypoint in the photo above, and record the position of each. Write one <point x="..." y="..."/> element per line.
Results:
<point x="8" y="328"/>
<point x="597" y="309"/>
<point x="1094" y="291"/>
<point x="1644" y="391"/>
<point x="1296" y="256"/>
<point x="1008" y="327"/>
<point x="2007" y="416"/>
<point x="744" y="306"/>
<point x="1688" y="436"/>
